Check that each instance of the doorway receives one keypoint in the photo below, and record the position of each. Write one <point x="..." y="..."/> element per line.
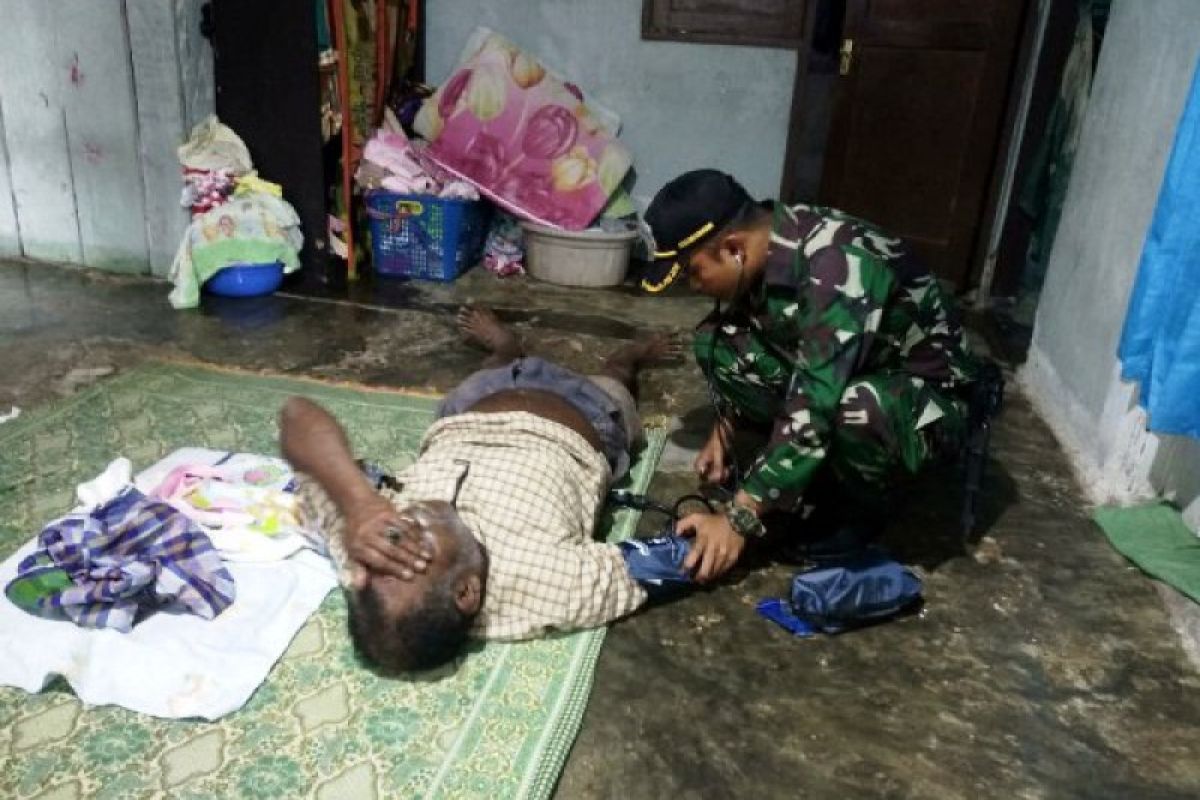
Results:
<point x="897" y="114"/>
<point x="1057" y="85"/>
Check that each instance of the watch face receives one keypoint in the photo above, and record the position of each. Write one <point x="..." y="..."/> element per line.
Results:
<point x="745" y="522"/>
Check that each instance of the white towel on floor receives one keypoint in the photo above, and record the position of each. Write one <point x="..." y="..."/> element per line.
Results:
<point x="169" y="665"/>
<point x="104" y="487"/>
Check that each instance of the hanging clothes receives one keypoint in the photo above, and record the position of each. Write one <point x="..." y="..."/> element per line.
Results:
<point x="1160" y="343"/>
<point x="1045" y="190"/>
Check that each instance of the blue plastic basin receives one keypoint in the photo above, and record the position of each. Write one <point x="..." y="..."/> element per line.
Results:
<point x="246" y="280"/>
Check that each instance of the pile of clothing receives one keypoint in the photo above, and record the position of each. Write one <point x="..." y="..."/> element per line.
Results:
<point x="205" y="189"/>
<point x="114" y="563"/>
<point x="194" y="575"/>
<point x="394" y="163"/>
<point x="509" y="128"/>
<point x="504" y="248"/>
<point x="237" y="217"/>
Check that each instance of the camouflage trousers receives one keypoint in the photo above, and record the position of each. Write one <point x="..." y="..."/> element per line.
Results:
<point x="887" y="427"/>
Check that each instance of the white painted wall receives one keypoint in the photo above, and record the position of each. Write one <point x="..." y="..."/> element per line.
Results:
<point x="683" y="106"/>
<point x="1145" y="70"/>
<point x="95" y="95"/>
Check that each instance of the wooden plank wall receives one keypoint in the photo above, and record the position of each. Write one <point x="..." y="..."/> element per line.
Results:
<point x="95" y="95"/>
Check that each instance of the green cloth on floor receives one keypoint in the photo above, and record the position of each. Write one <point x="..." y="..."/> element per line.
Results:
<point x="1156" y="538"/>
<point x="29" y="590"/>
<point x="321" y="725"/>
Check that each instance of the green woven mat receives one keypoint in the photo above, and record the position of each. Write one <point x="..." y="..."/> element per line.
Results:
<point x="498" y="726"/>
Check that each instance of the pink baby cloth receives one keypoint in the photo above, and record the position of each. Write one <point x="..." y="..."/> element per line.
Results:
<point x="245" y="506"/>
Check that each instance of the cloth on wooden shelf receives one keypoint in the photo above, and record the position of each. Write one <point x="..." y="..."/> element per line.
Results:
<point x="524" y="136"/>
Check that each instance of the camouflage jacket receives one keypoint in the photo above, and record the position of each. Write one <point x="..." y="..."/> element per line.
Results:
<point x="838" y="299"/>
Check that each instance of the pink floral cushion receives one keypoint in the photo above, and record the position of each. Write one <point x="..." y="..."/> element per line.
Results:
<point x="524" y="137"/>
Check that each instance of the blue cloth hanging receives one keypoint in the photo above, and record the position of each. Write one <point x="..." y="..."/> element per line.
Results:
<point x="1160" y="344"/>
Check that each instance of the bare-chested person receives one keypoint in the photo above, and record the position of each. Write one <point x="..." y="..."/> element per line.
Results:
<point x="490" y="531"/>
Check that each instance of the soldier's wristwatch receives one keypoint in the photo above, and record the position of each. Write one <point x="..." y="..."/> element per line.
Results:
<point x="745" y="522"/>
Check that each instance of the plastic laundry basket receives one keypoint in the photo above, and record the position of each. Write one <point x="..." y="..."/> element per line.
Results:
<point x="418" y="236"/>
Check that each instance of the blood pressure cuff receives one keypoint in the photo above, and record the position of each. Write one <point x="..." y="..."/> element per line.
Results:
<point x="657" y="564"/>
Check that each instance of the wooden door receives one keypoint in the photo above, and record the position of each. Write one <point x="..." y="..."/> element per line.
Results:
<point x="917" y="119"/>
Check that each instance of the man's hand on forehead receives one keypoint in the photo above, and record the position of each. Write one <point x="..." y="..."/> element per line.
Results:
<point x="382" y="539"/>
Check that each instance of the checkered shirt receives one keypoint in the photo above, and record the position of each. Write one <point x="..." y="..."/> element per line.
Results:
<point x="530" y="490"/>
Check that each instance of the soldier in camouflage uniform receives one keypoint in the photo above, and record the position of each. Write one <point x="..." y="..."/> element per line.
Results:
<point x="833" y="337"/>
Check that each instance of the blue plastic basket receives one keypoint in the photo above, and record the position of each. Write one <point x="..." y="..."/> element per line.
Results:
<point x="418" y="236"/>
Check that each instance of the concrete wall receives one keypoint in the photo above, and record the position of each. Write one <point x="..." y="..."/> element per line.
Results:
<point x="95" y="95"/>
<point x="1145" y="69"/>
<point x="682" y="105"/>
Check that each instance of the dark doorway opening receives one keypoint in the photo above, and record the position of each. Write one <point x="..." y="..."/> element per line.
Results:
<point x="1068" y="38"/>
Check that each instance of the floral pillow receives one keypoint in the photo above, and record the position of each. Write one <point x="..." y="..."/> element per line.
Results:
<point x="524" y="137"/>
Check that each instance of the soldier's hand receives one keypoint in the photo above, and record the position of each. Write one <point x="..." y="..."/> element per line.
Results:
<point x="710" y="462"/>
<point x="716" y="547"/>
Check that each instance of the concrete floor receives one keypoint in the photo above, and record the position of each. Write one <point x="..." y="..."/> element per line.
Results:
<point x="1042" y="665"/>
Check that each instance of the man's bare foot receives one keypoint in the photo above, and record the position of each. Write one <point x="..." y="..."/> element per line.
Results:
<point x="481" y="327"/>
<point x="652" y="349"/>
<point x="625" y="363"/>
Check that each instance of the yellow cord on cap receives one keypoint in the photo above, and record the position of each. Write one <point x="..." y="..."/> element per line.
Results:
<point x="665" y="282"/>
<point x="676" y="267"/>
<point x="685" y="241"/>
<point x="705" y="228"/>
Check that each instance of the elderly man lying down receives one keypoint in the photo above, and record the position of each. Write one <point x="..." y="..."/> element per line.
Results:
<point x="489" y="532"/>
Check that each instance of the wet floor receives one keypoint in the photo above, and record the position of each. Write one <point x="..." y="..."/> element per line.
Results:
<point x="1041" y="666"/>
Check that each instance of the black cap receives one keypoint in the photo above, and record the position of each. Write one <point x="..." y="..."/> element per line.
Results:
<point x="683" y="215"/>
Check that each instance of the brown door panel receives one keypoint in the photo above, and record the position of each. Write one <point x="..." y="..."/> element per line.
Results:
<point x="917" y="119"/>
<point x="908" y="145"/>
<point x="929" y="20"/>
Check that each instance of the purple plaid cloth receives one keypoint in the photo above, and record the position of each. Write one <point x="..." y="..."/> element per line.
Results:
<point x="130" y="556"/>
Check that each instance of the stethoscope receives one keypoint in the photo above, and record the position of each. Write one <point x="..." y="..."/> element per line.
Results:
<point x="625" y="498"/>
